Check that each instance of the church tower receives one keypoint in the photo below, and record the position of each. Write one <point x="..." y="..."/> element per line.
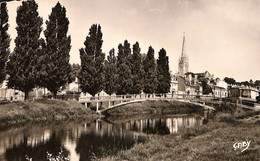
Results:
<point x="183" y="60"/>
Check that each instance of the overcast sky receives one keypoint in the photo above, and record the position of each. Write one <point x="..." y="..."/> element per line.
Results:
<point x="222" y="36"/>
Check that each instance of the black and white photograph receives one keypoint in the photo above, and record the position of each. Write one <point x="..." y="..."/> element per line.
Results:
<point x="129" y="80"/>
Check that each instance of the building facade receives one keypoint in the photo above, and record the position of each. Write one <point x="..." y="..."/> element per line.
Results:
<point x="243" y="92"/>
<point x="174" y="85"/>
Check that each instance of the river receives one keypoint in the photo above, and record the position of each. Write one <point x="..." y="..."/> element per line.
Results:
<point x="84" y="141"/>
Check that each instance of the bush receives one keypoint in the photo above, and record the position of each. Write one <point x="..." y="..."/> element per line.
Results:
<point x="224" y="107"/>
<point x="228" y="119"/>
<point x="249" y="114"/>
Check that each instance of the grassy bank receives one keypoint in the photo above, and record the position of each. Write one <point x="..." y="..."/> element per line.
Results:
<point x="211" y="141"/>
<point x="43" y="111"/>
<point x="154" y="107"/>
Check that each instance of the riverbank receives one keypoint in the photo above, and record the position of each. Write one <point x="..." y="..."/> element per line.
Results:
<point x="55" y="111"/>
<point x="43" y="111"/>
<point x="211" y="141"/>
<point x="160" y="107"/>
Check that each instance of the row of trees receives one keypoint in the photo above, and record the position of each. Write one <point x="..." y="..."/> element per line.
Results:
<point x="251" y="83"/>
<point x="130" y="72"/>
<point x="36" y="62"/>
<point x="44" y="62"/>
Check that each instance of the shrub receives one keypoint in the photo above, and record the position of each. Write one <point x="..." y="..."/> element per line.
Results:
<point x="228" y="119"/>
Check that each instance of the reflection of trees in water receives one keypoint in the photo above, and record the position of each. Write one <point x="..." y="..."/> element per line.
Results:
<point x="160" y="127"/>
<point x="163" y="126"/>
<point x="91" y="144"/>
<point x="37" y="152"/>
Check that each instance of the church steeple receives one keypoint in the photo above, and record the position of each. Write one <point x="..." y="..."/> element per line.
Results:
<point x="183" y="61"/>
<point x="183" y="46"/>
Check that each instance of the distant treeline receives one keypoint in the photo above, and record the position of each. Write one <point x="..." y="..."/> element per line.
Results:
<point x="44" y="62"/>
<point x="251" y="83"/>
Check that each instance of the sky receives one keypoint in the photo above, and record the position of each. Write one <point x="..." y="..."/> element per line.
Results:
<point x="222" y="36"/>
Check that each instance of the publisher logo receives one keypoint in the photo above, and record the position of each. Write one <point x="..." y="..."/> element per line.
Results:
<point x="242" y="145"/>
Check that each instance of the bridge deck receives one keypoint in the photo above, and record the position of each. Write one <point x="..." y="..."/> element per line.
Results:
<point x="143" y="100"/>
<point x="134" y="98"/>
<point x="121" y="104"/>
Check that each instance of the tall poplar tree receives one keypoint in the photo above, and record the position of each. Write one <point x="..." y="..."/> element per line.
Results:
<point x="4" y="41"/>
<point x="56" y="51"/>
<point x="110" y="73"/>
<point x="150" y="76"/>
<point x="124" y="81"/>
<point x="137" y="72"/>
<point x="92" y="62"/>
<point x="22" y="64"/>
<point x="163" y="75"/>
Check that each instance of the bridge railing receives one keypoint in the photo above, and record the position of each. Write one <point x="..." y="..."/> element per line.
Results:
<point x="128" y="97"/>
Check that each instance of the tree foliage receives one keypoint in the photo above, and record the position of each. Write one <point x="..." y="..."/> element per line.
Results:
<point x="257" y="83"/>
<point x="56" y="71"/>
<point x="110" y="73"/>
<point x="75" y="71"/>
<point x="150" y="79"/>
<point x="124" y="81"/>
<point x="163" y="75"/>
<point x="137" y="71"/>
<point x="206" y="89"/>
<point x="92" y="62"/>
<point x="230" y="80"/>
<point x="246" y="83"/>
<point x="4" y="41"/>
<point x="22" y="64"/>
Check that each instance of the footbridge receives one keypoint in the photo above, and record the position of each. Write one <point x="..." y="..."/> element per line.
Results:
<point x="114" y="101"/>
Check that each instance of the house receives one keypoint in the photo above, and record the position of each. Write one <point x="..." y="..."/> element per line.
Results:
<point x="243" y="92"/>
<point x="102" y="93"/>
<point x="219" y="91"/>
<point x="193" y="82"/>
<point x="73" y="86"/>
<point x="194" y="78"/>
<point x="219" y="88"/>
<point x="10" y="94"/>
<point x="174" y="85"/>
<point x="194" y="89"/>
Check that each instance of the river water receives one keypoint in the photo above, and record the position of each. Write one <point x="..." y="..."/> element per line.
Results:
<point x="87" y="140"/>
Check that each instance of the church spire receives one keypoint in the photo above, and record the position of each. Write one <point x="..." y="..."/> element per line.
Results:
<point x="183" y="61"/>
<point x="183" y="46"/>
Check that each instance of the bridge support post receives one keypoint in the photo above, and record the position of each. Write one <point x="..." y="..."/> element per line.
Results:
<point x="97" y="107"/>
<point x="108" y="103"/>
<point x="86" y="104"/>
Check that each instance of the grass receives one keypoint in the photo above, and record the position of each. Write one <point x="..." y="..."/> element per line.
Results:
<point x="211" y="141"/>
<point x="154" y="107"/>
<point x="42" y="111"/>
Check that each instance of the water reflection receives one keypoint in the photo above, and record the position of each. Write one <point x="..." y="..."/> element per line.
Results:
<point x="83" y="141"/>
<point x="36" y="149"/>
<point x="162" y="126"/>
